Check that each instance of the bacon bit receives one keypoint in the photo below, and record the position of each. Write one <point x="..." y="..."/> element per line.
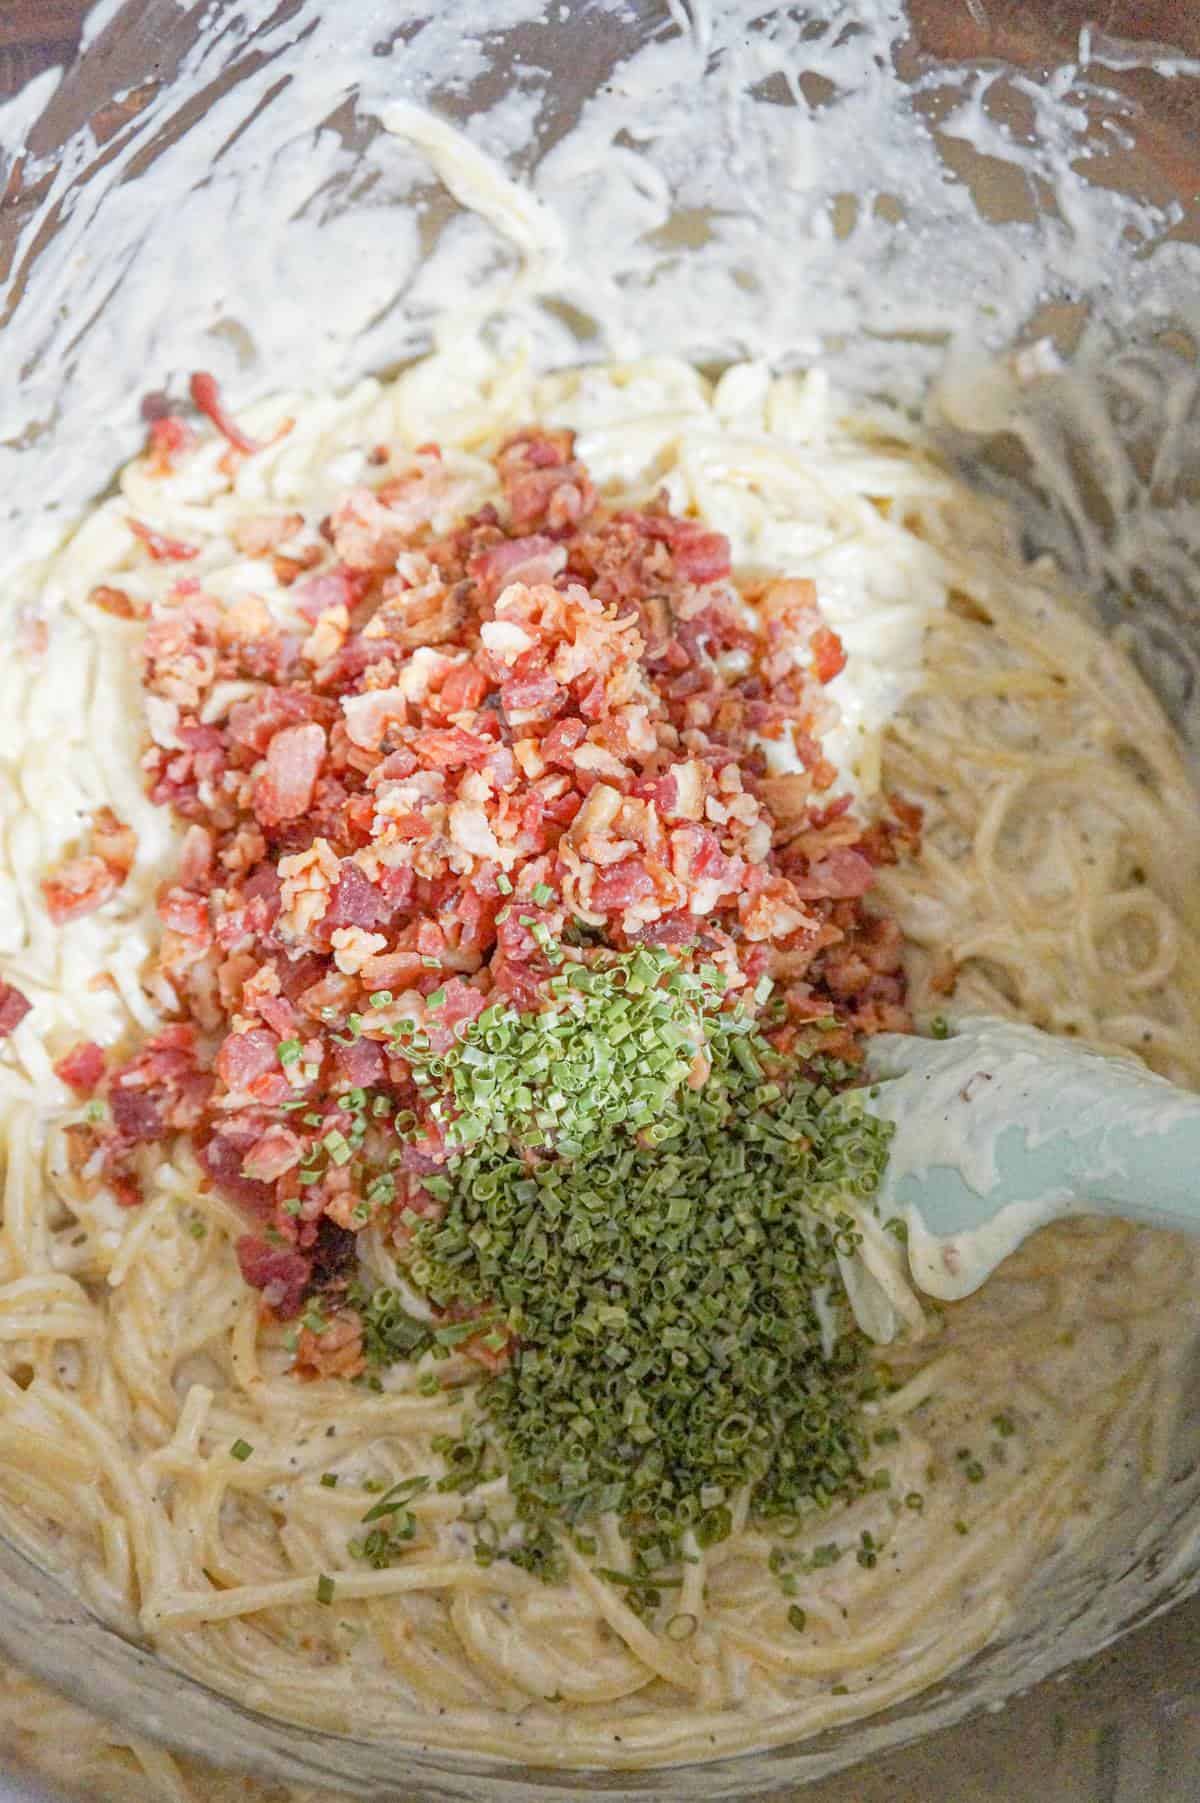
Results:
<point x="78" y="887"/>
<point x="492" y="1358"/>
<point x="294" y="758"/>
<point x="13" y="1008"/>
<point x="114" y="842"/>
<point x="222" y="1156"/>
<point x="450" y="748"/>
<point x="355" y="902"/>
<point x="263" y="532"/>
<point x="245" y="1057"/>
<point x="337" y="587"/>
<point x="82" y="1067"/>
<point x="287" y="569"/>
<point x="126" y="1189"/>
<point x="280" y="1273"/>
<point x="337" y="1351"/>
<point x="843" y="873"/>
<point x="463" y="689"/>
<point x="206" y="396"/>
<point x="829" y="657"/>
<point x="137" y="1114"/>
<point x="82" y="884"/>
<point x="161" y="548"/>
<point x="699" y="555"/>
<point x="528" y="560"/>
<point x="542" y="482"/>
<point x="911" y="820"/>
<point x="115" y="601"/>
<point x="564" y="703"/>
<point x="361" y="1063"/>
<point x="278" y="1150"/>
<point x="944" y="977"/>
<point x="169" y="437"/>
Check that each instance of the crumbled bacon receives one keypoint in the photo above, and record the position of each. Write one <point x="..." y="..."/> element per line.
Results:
<point x="13" y="1008"/>
<point x="844" y="872"/>
<point x="113" y="842"/>
<point x="169" y="437"/>
<point x="337" y="1351"/>
<point x="474" y="742"/>
<point x="279" y="1272"/>
<point x="81" y="1068"/>
<point x="76" y="887"/>
<point x="161" y="548"/>
<point x="206" y="396"/>
<point x="80" y="885"/>
<point x="285" y="791"/>
<point x="115" y="601"/>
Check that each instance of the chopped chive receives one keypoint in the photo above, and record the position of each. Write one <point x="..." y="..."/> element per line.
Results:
<point x="325" y="1589"/>
<point x="241" y="1450"/>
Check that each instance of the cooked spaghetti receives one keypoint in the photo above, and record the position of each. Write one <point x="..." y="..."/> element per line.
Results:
<point x="209" y="1418"/>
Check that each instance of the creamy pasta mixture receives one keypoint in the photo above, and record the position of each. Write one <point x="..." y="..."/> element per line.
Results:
<point x="184" y="1432"/>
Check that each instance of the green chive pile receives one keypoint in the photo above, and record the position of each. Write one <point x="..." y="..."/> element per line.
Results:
<point x="662" y="1255"/>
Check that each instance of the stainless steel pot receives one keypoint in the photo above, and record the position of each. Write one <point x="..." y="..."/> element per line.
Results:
<point x="1125" y="1728"/>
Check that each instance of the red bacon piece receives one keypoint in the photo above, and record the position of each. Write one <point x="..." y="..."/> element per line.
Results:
<point x="294" y="758"/>
<point x="206" y="396"/>
<point x="530" y="560"/>
<point x="698" y="554"/>
<point x="168" y="438"/>
<point x="78" y="887"/>
<point x="361" y="1063"/>
<point x="137" y="1113"/>
<point x="338" y="587"/>
<point x="355" y="901"/>
<point x="278" y="1151"/>
<point x="244" y="1057"/>
<point x="843" y="872"/>
<point x="82" y="1067"/>
<point x="621" y="885"/>
<point x="829" y="655"/>
<point x="463" y="689"/>
<point x="450" y="748"/>
<point x="525" y="694"/>
<point x="116" y="602"/>
<point x="279" y="1272"/>
<point x="13" y="1008"/>
<point x="222" y="1157"/>
<point x="161" y="548"/>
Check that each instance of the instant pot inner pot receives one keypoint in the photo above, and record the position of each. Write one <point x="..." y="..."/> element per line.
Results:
<point x="212" y="95"/>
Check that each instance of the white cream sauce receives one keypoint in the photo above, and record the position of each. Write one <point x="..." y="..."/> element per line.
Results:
<point x="719" y="186"/>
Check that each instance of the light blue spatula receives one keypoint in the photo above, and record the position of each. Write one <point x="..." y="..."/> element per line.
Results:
<point x="1001" y="1128"/>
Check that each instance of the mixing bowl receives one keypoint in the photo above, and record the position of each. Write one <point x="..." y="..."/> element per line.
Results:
<point x="911" y="193"/>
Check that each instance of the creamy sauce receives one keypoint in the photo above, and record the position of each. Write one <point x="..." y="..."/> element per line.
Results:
<point x="725" y="191"/>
